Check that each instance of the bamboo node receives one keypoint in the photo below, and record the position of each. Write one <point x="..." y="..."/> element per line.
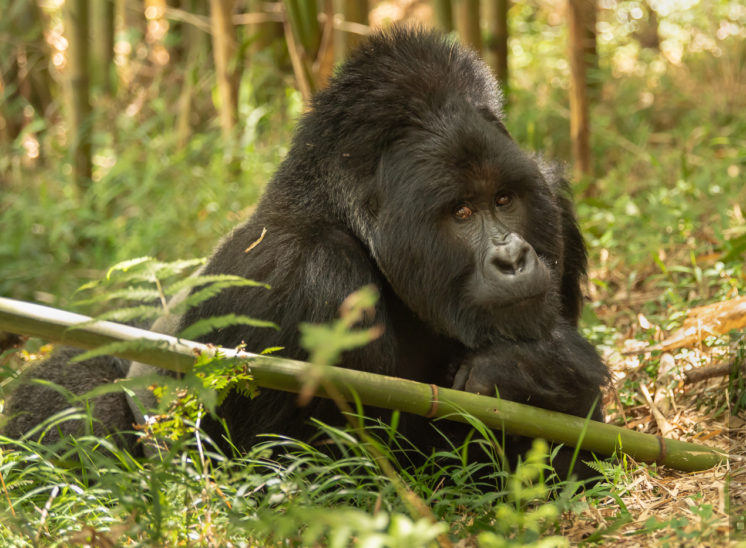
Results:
<point x="663" y="451"/>
<point x="434" y="405"/>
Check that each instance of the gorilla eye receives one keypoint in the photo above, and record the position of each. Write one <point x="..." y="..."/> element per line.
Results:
<point x="463" y="212"/>
<point x="503" y="200"/>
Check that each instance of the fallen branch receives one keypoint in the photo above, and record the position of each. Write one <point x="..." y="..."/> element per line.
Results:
<point x="375" y="390"/>
<point x="716" y="318"/>
<point x="709" y="372"/>
<point x="664" y="426"/>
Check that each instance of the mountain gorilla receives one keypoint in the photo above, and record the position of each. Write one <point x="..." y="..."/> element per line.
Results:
<point x="403" y="176"/>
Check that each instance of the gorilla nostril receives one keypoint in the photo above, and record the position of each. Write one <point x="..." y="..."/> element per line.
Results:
<point x="508" y="265"/>
<point x="511" y="256"/>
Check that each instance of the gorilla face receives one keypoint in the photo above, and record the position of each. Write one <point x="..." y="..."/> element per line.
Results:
<point x="478" y="224"/>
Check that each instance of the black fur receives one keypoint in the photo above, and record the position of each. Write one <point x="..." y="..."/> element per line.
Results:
<point x="32" y="403"/>
<point x="402" y="175"/>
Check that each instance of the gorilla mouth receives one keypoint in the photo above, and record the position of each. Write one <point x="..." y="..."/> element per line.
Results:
<point x="525" y="317"/>
<point x="495" y="298"/>
<point x="535" y="299"/>
<point x="477" y="324"/>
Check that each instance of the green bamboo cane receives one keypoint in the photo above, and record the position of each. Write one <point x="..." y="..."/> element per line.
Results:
<point x="377" y="390"/>
<point x="302" y="35"/>
<point x="303" y="20"/>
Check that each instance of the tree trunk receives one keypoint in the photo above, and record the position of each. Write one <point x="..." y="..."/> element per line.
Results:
<point x="303" y="18"/>
<point x="581" y="15"/>
<point x="303" y="36"/>
<point x="323" y="66"/>
<point x="224" y="48"/>
<point x="354" y="11"/>
<point x="443" y="10"/>
<point x="37" y="57"/>
<point x="265" y="33"/>
<point x="591" y="53"/>
<point x="24" y="68"/>
<point x="131" y="14"/>
<point x="467" y="23"/>
<point x="76" y="29"/>
<point x="648" y="32"/>
<point x="175" y="39"/>
<point x="11" y="112"/>
<point x="497" y="38"/>
<point x="197" y="46"/>
<point x="102" y="53"/>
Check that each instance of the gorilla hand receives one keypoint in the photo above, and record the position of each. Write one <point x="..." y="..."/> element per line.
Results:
<point x="561" y="372"/>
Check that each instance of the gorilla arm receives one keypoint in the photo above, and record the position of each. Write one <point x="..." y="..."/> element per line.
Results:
<point x="561" y="373"/>
<point x="310" y="276"/>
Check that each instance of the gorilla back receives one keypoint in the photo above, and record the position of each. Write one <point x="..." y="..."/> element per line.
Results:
<point x="402" y="175"/>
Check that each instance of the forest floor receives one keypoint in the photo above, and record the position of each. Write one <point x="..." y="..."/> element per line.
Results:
<point x="690" y="401"/>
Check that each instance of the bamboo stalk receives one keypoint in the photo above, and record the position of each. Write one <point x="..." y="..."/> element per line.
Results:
<point x="76" y="23"/>
<point x="302" y="47"/>
<point x="102" y="37"/>
<point x="372" y="389"/>
<point x="496" y="38"/>
<point x="581" y="13"/>
<point x="467" y="23"/>
<point x="443" y="11"/>
<point x="303" y="19"/>
<point x="224" y="47"/>
<point x="355" y="11"/>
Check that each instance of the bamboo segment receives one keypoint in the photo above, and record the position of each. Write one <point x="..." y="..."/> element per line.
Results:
<point x="372" y="389"/>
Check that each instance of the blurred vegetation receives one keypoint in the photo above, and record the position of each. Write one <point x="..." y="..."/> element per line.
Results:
<point x="667" y="136"/>
<point x="664" y="224"/>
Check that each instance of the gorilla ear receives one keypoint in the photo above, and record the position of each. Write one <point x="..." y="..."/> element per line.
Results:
<point x="372" y="206"/>
<point x="493" y="118"/>
<point x="574" y="255"/>
<point x="574" y="260"/>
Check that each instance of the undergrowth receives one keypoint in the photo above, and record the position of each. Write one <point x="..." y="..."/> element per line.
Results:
<point x="281" y="492"/>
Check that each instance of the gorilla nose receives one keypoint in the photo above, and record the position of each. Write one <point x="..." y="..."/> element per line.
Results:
<point x="513" y="256"/>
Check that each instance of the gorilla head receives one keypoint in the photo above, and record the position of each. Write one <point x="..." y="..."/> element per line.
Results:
<point x="416" y="162"/>
<point x="472" y="206"/>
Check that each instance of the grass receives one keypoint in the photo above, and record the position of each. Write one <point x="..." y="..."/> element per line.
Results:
<point x="87" y="489"/>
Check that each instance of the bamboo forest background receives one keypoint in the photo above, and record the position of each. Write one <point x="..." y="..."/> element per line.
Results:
<point x="112" y="109"/>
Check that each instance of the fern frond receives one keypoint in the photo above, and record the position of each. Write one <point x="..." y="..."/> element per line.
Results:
<point x="129" y="294"/>
<point x="207" y="325"/>
<point x="195" y="281"/>
<point x="210" y="291"/>
<point x="167" y="270"/>
<point x="138" y="345"/>
<point x="126" y="266"/>
<point x="132" y="313"/>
